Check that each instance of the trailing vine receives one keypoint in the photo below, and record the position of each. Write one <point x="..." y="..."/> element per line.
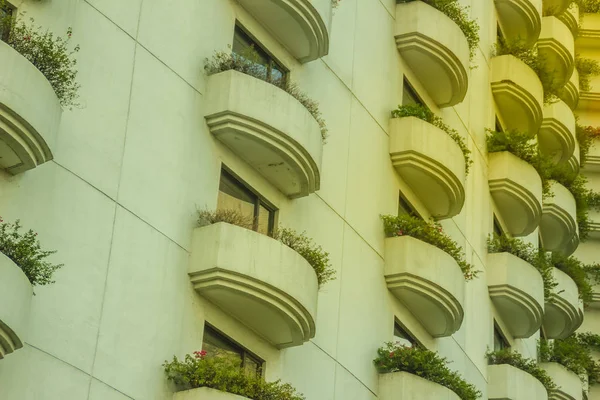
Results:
<point x="587" y="68"/>
<point x="586" y="136"/>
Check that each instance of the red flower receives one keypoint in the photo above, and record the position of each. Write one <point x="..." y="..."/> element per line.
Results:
<point x="391" y="354"/>
<point x="200" y="354"/>
<point x="399" y="233"/>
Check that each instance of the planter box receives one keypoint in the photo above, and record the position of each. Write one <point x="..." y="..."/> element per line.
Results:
<point x="205" y="393"/>
<point x="520" y="19"/>
<point x="15" y="300"/>
<point x="435" y="49"/>
<point x="556" y="137"/>
<point x="517" y="290"/>
<point x="29" y="113"/>
<point x="557" y="45"/>
<point x="570" y="386"/>
<point x="405" y="386"/>
<point x="506" y="382"/>
<point x="518" y="94"/>
<point x="516" y="188"/>
<point x="428" y="281"/>
<point x="563" y="312"/>
<point x="267" y="128"/>
<point x="301" y="26"/>
<point x="559" y="222"/>
<point x="256" y="279"/>
<point x="431" y="163"/>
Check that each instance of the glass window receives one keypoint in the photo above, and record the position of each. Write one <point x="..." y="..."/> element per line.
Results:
<point x="405" y="208"/>
<point x="500" y="342"/>
<point x="6" y="13"/>
<point x="215" y="343"/>
<point x="409" y="95"/>
<point x="244" y="45"/>
<point x="497" y="227"/>
<point x="403" y="337"/>
<point x="499" y="126"/>
<point x="234" y="195"/>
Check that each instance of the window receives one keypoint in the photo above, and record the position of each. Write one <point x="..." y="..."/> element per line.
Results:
<point x="499" y="126"/>
<point x="405" y="208"/>
<point x="6" y="13"/>
<point x="500" y="342"/>
<point x="409" y="95"/>
<point x="234" y="195"/>
<point x="244" y="45"/>
<point x="403" y="337"/>
<point x="215" y="343"/>
<point x="497" y="227"/>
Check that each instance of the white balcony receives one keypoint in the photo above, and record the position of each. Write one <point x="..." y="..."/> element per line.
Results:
<point x="557" y="46"/>
<point x="559" y="222"/>
<point x="556" y="137"/>
<point x="570" y="93"/>
<point x="563" y="314"/>
<point x="506" y="382"/>
<point x="520" y="19"/>
<point x="405" y="386"/>
<point x="569" y="384"/>
<point x="205" y="393"/>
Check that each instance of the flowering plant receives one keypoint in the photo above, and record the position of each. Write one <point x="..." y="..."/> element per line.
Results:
<point x="428" y="232"/>
<point x="225" y="373"/>
<point x="26" y="252"/>
<point x="393" y="357"/>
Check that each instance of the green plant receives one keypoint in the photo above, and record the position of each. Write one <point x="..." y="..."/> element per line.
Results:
<point x="428" y="232"/>
<point x="248" y="62"/>
<point x="299" y="242"/>
<point x="591" y="340"/>
<point x="578" y="271"/>
<point x="226" y="374"/>
<point x="460" y="15"/>
<point x="573" y="354"/>
<point x="426" y="364"/>
<point x="587" y="68"/>
<point x="50" y="54"/>
<point x="586" y="136"/>
<point x="522" y="146"/>
<point x="588" y="6"/>
<point x="528" y="253"/>
<point x="25" y="251"/>
<point x="422" y="112"/>
<point x="510" y="357"/>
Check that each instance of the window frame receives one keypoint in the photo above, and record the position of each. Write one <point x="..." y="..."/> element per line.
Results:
<point x="408" y="87"/>
<point x="414" y="342"/>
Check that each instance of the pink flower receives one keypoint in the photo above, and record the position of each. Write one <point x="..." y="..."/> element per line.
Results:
<point x="400" y="233"/>
<point x="200" y="354"/>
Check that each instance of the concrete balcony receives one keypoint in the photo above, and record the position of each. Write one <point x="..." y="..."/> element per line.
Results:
<point x="268" y="128"/>
<point x="517" y="290"/>
<point x="570" y="387"/>
<point x="520" y="19"/>
<point x="256" y="279"/>
<point x="435" y="49"/>
<point x="29" y="113"/>
<point x="572" y="244"/>
<point x="570" y="92"/>
<point x="301" y="26"/>
<point x="431" y="163"/>
<point x="518" y="94"/>
<point x="405" y="386"/>
<point x="570" y="17"/>
<point x="556" y="137"/>
<point x="428" y="281"/>
<point x="563" y="312"/>
<point x="574" y="162"/>
<point x="516" y="188"/>
<point x="506" y="382"/>
<point x="559" y="222"/>
<point x="557" y="46"/>
<point x="15" y="299"/>
<point x="205" y="393"/>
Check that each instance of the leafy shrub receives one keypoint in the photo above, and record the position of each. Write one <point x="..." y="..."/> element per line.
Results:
<point x="573" y="354"/>
<point x="422" y="112"/>
<point x="591" y="340"/>
<point x="50" y="54"/>
<point x="528" y="253"/>
<point x="510" y="357"/>
<point x="460" y="15"/>
<point x="428" y="232"/>
<point x="586" y="136"/>
<point x="588" y="6"/>
<point x="248" y="62"/>
<point x="299" y="242"/>
<point x="522" y="146"/>
<point x="26" y="252"/>
<point x="587" y="68"/>
<point x="426" y="364"/>
<point x="227" y="375"/>
<point x="578" y="271"/>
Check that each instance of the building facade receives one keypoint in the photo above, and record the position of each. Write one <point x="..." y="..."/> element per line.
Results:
<point x="115" y="184"/>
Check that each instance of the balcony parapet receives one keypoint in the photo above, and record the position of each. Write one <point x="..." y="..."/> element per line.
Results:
<point x="556" y="137"/>
<point x="569" y="384"/>
<point x="506" y="382"/>
<point x="557" y="46"/>
<point x="402" y="385"/>
<point x="520" y="19"/>
<point x="563" y="313"/>
<point x="559" y="223"/>
<point x="570" y="93"/>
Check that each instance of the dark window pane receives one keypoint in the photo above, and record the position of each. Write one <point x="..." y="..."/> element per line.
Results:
<point x="403" y="337"/>
<point x="500" y="342"/>
<point x="404" y="207"/>
<point x="244" y="45"/>
<point x="234" y="196"/>
<point x="216" y="344"/>
<point x="497" y="227"/>
<point x="409" y="96"/>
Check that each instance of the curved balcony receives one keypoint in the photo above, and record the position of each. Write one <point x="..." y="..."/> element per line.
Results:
<point x="435" y="49"/>
<point x="15" y="299"/>
<point x="570" y="93"/>
<point x="518" y="94"/>
<point x="520" y="19"/>
<point x="558" y="223"/>
<point x="402" y="385"/>
<point x="29" y="113"/>
<point x="431" y="163"/>
<point x="428" y="281"/>
<point x="556" y="137"/>
<point x="256" y="279"/>
<point x="517" y="290"/>
<point x="506" y="382"/>
<point x="557" y="46"/>
<point x="301" y="26"/>
<point x="573" y="244"/>
<point x="516" y="188"/>
<point x="268" y="128"/>
<point x="205" y="393"/>
<point x="562" y="313"/>
<point x="569" y="384"/>
<point x="570" y="17"/>
<point x="574" y="162"/>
